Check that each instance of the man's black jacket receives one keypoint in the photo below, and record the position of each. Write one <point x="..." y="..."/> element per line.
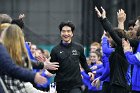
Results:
<point x="69" y="57"/>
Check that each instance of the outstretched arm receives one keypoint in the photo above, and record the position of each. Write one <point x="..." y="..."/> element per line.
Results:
<point x="106" y="71"/>
<point x="8" y="67"/>
<point x="105" y="45"/>
<point x="131" y="58"/>
<point x="107" y="26"/>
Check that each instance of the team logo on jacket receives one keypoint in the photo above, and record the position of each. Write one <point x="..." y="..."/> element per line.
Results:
<point x="74" y="52"/>
<point x="61" y="52"/>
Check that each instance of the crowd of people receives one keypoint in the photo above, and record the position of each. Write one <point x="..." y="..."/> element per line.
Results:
<point x="112" y="65"/>
<point x="17" y="63"/>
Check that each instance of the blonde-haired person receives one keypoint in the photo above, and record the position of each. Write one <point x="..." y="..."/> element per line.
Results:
<point x="95" y="46"/>
<point x="4" y="26"/>
<point x="5" y="21"/>
<point x="7" y="67"/>
<point x="13" y="40"/>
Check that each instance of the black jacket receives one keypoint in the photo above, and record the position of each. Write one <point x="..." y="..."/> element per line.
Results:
<point x="118" y="62"/>
<point x="69" y="57"/>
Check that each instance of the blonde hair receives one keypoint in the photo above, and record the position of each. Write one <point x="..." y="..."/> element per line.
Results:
<point x="96" y="44"/>
<point x="4" y="26"/>
<point x="13" y="39"/>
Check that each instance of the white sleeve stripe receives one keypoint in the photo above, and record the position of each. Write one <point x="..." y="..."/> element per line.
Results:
<point x="138" y="55"/>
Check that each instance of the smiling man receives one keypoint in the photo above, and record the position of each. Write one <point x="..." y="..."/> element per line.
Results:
<point x="69" y="55"/>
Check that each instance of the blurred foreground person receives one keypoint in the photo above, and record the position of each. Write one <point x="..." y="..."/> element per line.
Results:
<point x="7" y="67"/>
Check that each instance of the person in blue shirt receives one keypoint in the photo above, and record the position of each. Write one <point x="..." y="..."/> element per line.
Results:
<point x="107" y="50"/>
<point x="97" y="68"/>
<point x="133" y="59"/>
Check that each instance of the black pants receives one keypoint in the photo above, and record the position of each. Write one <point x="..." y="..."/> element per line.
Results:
<point x="74" y="90"/>
<point x="118" y="89"/>
<point x="106" y="87"/>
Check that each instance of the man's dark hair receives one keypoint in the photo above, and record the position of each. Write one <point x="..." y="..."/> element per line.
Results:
<point x="70" y="24"/>
<point x="131" y="23"/>
<point x="138" y="32"/>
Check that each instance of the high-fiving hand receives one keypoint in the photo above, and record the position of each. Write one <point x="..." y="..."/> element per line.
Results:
<point x="126" y="46"/>
<point x="51" y="65"/>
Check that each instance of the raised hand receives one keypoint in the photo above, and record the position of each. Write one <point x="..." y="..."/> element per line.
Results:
<point x="103" y="14"/>
<point x="51" y="65"/>
<point x="126" y="45"/>
<point x="121" y="15"/>
<point x="104" y="35"/>
<point x="121" y="18"/>
<point x="98" y="12"/>
<point x="40" y="58"/>
<point x="21" y="16"/>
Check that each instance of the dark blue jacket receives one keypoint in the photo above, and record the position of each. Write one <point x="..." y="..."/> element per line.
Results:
<point x="135" y="60"/>
<point x="107" y="50"/>
<point x="8" y="67"/>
